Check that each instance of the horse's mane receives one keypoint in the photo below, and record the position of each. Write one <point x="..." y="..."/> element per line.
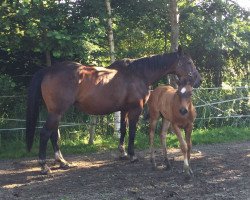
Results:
<point x="149" y="63"/>
<point x="120" y="64"/>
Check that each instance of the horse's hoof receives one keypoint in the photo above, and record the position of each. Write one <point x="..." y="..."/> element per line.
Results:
<point x="133" y="159"/>
<point x="154" y="166"/>
<point x="65" y="166"/>
<point x="45" y="171"/>
<point x="123" y="157"/>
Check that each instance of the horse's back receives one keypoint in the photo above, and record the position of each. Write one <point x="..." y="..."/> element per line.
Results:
<point x="160" y="101"/>
<point x="162" y="93"/>
<point x="59" y="86"/>
<point x="164" y="99"/>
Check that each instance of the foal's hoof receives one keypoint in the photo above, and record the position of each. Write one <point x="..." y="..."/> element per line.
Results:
<point x="168" y="168"/>
<point x="188" y="174"/>
<point x="187" y="177"/>
<point x="133" y="159"/>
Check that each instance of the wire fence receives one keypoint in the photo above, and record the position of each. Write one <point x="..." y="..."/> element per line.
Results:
<point x="215" y="107"/>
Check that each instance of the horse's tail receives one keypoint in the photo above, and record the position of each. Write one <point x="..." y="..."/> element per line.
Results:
<point x="33" y="103"/>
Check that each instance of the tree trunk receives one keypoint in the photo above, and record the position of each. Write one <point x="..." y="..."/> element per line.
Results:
<point x="93" y="120"/>
<point x="174" y="21"/>
<point x="110" y="32"/>
<point x="117" y="115"/>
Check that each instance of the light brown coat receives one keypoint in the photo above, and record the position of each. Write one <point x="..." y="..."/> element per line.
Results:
<point x="174" y="107"/>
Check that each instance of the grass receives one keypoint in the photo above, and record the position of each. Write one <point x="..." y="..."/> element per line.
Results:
<point x="77" y="142"/>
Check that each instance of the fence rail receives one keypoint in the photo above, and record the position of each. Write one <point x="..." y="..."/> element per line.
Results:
<point x="199" y="98"/>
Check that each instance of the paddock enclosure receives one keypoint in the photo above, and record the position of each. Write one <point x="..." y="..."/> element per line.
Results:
<point x="222" y="171"/>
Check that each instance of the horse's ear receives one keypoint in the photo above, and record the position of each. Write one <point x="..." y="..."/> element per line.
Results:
<point x="179" y="51"/>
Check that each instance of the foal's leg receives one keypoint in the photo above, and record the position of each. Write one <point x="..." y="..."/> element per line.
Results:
<point x="50" y="125"/>
<point x="133" y="117"/>
<point x="121" y="146"/>
<point x="184" y="150"/>
<point x="164" y="129"/>
<point x="153" y="123"/>
<point x="54" y="138"/>
<point x="188" y="131"/>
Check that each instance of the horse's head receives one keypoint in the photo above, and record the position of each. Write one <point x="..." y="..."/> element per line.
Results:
<point x="186" y="70"/>
<point x="184" y="92"/>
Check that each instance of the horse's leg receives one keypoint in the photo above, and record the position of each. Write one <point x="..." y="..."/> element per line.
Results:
<point x="50" y="125"/>
<point x="54" y="138"/>
<point x="152" y="126"/>
<point x="184" y="149"/>
<point x="44" y="137"/>
<point x="121" y="146"/>
<point x="133" y="117"/>
<point x="164" y="129"/>
<point x="188" y="131"/>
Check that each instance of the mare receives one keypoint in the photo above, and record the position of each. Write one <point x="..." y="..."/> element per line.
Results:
<point x="97" y="91"/>
<point x="125" y="64"/>
<point x="175" y="107"/>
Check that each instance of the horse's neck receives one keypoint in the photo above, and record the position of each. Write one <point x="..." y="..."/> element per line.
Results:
<point x="156" y="70"/>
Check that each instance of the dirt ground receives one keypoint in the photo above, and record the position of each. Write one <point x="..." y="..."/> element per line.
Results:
<point x="221" y="171"/>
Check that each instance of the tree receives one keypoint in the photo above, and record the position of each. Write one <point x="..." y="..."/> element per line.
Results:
<point x="174" y="37"/>
<point x="174" y="21"/>
<point x="217" y="33"/>
<point x="117" y="115"/>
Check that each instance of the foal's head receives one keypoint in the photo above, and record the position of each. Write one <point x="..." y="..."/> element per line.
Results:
<point x="184" y="93"/>
<point x="186" y="70"/>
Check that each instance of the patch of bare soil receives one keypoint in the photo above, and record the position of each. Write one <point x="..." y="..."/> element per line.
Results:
<point x="221" y="171"/>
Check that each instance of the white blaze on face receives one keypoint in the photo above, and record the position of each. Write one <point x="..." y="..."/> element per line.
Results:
<point x="183" y="90"/>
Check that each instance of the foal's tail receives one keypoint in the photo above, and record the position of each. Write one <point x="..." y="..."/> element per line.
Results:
<point x="33" y="103"/>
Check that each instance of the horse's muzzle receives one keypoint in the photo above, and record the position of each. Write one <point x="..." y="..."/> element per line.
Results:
<point x="197" y="83"/>
<point x="183" y="111"/>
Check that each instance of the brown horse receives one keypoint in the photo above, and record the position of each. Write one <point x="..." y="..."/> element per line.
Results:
<point x="124" y="66"/>
<point x="98" y="91"/>
<point x="175" y="107"/>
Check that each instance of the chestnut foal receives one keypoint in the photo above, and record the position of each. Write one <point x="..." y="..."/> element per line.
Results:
<point x="175" y="107"/>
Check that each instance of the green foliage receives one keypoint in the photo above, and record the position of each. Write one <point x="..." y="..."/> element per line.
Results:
<point x="220" y="135"/>
<point x="217" y="34"/>
<point x="7" y="89"/>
